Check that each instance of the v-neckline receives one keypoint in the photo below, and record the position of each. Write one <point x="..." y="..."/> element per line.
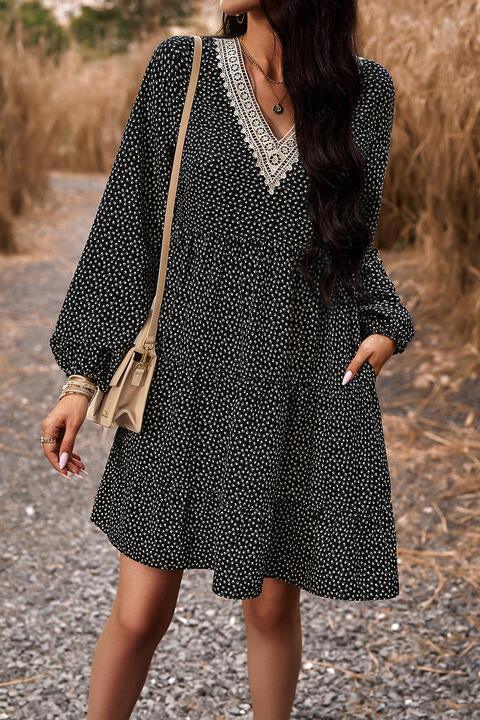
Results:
<point x="274" y="156"/>
<point x="254" y="97"/>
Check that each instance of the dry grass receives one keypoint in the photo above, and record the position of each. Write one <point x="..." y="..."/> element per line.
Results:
<point x="27" y="134"/>
<point x="66" y="114"/>
<point x="92" y="101"/>
<point x="432" y="191"/>
<point x="439" y="528"/>
<point x="431" y="413"/>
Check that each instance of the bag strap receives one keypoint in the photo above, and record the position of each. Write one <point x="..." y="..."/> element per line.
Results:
<point x="151" y="333"/>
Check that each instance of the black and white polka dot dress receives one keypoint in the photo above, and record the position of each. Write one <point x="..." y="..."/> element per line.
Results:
<point x="253" y="460"/>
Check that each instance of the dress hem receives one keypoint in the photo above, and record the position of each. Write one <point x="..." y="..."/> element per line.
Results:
<point x="209" y="566"/>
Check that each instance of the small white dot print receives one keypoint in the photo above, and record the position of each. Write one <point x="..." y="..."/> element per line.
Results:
<point x="253" y="459"/>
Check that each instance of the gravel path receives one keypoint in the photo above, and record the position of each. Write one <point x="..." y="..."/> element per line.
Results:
<point x="414" y="657"/>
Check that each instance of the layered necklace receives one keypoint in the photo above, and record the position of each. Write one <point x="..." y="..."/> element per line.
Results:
<point x="277" y="107"/>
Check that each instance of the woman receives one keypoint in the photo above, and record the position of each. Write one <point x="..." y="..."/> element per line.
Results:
<point x="262" y="454"/>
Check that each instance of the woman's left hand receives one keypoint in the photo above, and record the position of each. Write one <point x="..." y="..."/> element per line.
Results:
<point x="376" y="349"/>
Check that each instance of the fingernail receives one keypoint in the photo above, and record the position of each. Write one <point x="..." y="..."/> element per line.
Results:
<point x="83" y="471"/>
<point x="63" y="460"/>
<point x="348" y="376"/>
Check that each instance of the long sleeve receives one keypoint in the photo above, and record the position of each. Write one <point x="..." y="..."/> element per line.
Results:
<point x="384" y="312"/>
<point x="114" y="283"/>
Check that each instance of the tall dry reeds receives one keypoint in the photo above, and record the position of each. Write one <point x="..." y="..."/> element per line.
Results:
<point x="27" y="133"/>
<point x="60" y="113"/>
<point x="64" y="113"/>
<point x="432" y="193"/>
<point x="92" y="101"/>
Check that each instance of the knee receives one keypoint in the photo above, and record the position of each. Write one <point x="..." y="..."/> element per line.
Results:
<point x="139" y="630"/>
<point x="267" y="616"/>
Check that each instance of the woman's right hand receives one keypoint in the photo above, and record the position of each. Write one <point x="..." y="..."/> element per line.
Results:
<point x="63" y="423"/>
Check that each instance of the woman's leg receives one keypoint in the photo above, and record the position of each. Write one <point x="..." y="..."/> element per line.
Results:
<point x="274" y="648"/>
<point x="141" y="612"/>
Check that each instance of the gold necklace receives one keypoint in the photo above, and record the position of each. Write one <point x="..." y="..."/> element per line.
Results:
<point x="277" y="107"/>
<point x="252" y="59"/>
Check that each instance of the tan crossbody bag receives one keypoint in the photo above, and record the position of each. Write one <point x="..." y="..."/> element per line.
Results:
<point x="124" y="402"/>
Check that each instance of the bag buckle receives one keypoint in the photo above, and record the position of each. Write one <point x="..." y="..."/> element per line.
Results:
<point x="146" y="357"/>
<point x="142" y="365"/>
<point x="144" y="360"/>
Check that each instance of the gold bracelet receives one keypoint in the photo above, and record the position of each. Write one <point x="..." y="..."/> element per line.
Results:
<point x="82" y="382"/>
<point x="90" y="388"/>
<point x="81" y="379"/>
<point x="78" y="384"/>
<point x="89" y="395"/>
<point x="74" y="388"/>
<point x="68" y="391"/>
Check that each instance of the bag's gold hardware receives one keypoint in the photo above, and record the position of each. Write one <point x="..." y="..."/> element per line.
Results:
<point x="144" y="361"/>
<point x="105" y="413"/>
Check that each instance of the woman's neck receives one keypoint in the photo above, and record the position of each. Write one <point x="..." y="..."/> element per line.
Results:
<point x="260" y="42"/>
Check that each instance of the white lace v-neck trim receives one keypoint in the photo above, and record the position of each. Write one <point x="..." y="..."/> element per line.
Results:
<point x="274" y="157"/>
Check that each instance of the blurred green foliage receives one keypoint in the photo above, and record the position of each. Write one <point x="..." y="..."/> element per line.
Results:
<point x="34" y="25"/>
<point x="102" y="31"/>
<point x="146" y="15"/>
<point x="98" y="31"/>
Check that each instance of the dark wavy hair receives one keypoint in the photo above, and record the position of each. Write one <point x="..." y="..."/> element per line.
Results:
<point x="322" y="76"/>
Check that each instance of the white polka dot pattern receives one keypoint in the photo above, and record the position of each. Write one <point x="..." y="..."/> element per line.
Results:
<point x="254" y="460"/>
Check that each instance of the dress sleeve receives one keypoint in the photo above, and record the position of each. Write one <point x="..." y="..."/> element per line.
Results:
<point x="383" y="312"/>
<point x="114" y="282"/>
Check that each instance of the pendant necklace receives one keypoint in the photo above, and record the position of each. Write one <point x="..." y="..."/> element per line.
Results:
<point x="277" y="107"/>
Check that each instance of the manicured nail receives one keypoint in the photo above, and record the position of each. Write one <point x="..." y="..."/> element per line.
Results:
<point x="63" y="460"/>
<point x="348" y="376"/>
<point x="83" y="471"/>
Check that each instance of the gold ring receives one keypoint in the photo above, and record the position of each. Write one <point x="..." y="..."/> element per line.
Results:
<point x="47" y="439"/>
